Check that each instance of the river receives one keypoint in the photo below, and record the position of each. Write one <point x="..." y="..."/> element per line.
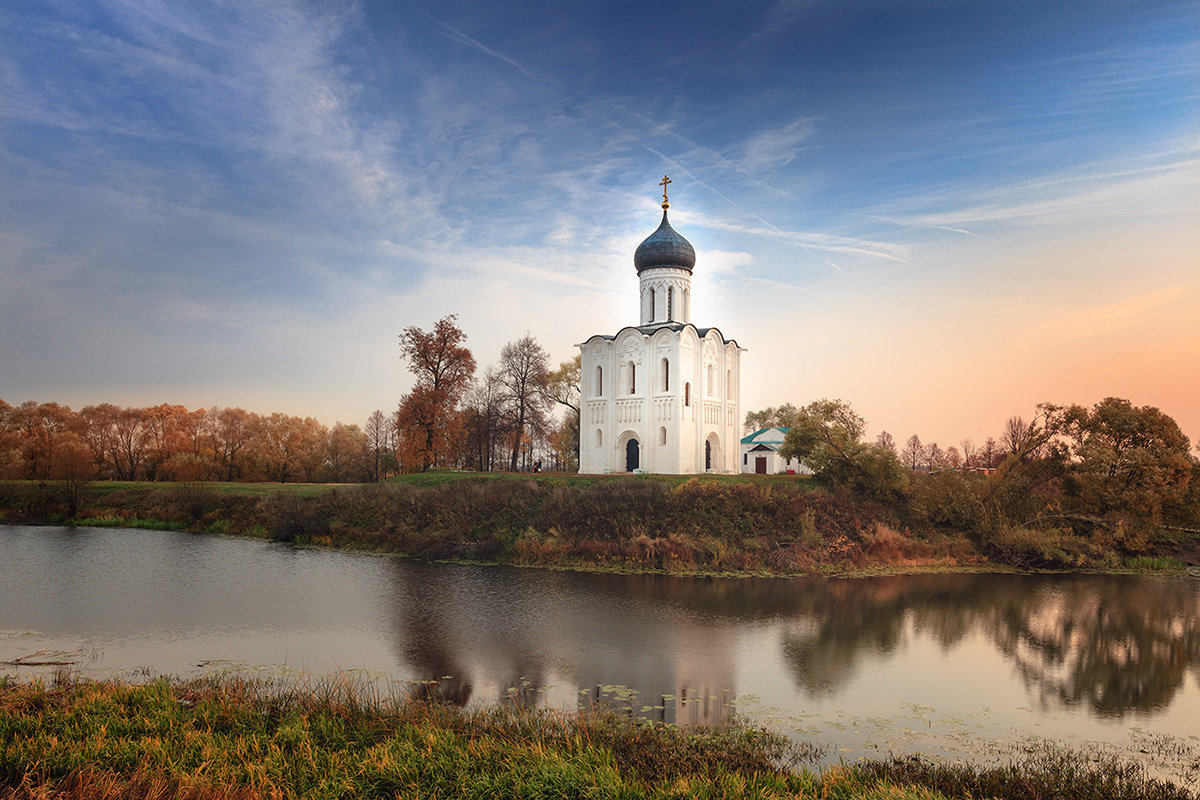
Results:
<point x="946" y="664"/>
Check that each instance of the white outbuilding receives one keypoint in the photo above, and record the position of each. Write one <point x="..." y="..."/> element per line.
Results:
<point x="662" y="396"/>
<point x="760" y="454"/>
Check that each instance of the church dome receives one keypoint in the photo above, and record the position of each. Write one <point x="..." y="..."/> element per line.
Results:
<point x="665" y="248"/>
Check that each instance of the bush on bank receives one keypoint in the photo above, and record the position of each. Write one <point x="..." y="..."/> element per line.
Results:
<point x="708" y="524"/>
<point x="781" y="527"/>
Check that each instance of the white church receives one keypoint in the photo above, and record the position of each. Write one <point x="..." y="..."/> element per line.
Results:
<point x="664" y="395"/>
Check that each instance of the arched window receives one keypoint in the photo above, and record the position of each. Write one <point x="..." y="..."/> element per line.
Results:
<point x="670" y="303"/>
<point x="687" y="394"/>
<point x="662" y="436"/>
<point x="728" y="384"/>
<point x="710" y="389"/>
<point x="599" y="437"/>
<point x="652" y="304"/>
<point x="632" y="378"/>
<point x="599" y="381"/>
<point x="666" y="373"/>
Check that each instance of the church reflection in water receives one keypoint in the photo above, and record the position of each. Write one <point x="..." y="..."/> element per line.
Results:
<point x="622" y="641"/>
<point x="1112" y="645"/>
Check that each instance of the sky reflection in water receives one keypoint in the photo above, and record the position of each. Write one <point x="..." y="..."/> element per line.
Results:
<point x="907" y="663"/>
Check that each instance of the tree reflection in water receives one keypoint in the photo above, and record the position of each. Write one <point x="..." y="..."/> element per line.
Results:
<point x="1117" y="645"/>
<point x="1113" y="645"/>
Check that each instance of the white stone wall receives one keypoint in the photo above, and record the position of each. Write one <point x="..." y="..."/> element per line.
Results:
<point x="670" y="290"/>
<point x="671" y="416"/>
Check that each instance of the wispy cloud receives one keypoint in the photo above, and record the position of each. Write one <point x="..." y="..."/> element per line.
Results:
<point x="811" y="240"/>
<point x="1165" y="187"/>
<point x="779" y="16"/>
<point x="776" y="148"/>
<point x="1107" y="318"/>
<point x="454" y="34"/>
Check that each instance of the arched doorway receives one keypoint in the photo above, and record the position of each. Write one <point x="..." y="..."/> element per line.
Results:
<point x="712" y="453"/>
<point x="632" y="460"/>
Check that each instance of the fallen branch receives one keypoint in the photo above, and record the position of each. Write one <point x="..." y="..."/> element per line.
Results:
<point x="42" y="658"/>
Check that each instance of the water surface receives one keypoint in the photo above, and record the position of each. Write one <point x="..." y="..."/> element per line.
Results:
<point x="925" y="663"/>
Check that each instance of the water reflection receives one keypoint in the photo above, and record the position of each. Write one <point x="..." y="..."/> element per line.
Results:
<point x="1109" y="647"/>
<point x="524" y="631"/>
<point x="1113" y="644"/>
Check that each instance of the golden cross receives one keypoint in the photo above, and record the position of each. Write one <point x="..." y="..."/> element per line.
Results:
<point x="663" y="183"/>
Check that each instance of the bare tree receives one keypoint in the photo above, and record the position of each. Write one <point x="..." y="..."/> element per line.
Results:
<point x="969" y="453"/>
<point x="485" y="419"/>
<point x="379" y="443"/>
<point x="935" y="457"/>
<point x="913" y="453"/>
<point x="563" y="388"/>
<point x="523" y="369"/>
<point x="990" y="453"/>
<point x="885" y="441"/>
<point x="1013" y="437"/>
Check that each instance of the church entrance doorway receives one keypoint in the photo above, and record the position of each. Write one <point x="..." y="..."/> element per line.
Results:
<point x="631" y="455"/>
<point x="760" y="465"/>
<point x="707" y="455"/>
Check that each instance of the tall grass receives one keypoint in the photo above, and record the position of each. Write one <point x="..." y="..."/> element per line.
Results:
<point x="236" y="738"/>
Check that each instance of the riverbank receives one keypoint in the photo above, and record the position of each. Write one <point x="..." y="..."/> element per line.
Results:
<point x="235" y="738"/>
<point x="711" y="524"/>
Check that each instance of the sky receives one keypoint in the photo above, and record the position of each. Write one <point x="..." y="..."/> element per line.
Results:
<point x="941" y="211"/>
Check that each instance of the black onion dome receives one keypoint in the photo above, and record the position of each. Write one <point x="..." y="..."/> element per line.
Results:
<point x="665" y="248"/>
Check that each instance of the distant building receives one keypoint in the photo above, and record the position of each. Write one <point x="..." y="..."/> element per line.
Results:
<point x="662" y="396"/>
<point x="760" y="454"/>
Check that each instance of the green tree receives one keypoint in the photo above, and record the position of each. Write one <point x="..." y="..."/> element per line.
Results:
<point x="769" y="417"/>
<point x="1126" y="463"/>
<point x="827" y="436"/>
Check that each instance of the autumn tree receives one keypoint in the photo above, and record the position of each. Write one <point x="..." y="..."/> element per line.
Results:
<point x="284" y="448"/>
<point x="346" y="449"/>
<point x="72" y="464"/>
<point x="523" y="371"/>
<point x="9" y="454"/>
<point x="230" y="431"/>
<point x="167" y="430"/>
<point x="36" y="427"/>
<point x="129" y="443"/>
<point x="443" y="367"/>
<point x="99" y="433"/>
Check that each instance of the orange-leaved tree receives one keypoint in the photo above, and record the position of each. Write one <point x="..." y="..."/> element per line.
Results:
<point x="443" y="367"/>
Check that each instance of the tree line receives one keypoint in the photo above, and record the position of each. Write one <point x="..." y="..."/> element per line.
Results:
<point x="1110" y="476"/>
<point x="503" y="420"/>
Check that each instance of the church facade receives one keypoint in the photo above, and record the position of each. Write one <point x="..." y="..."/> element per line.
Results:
<point x="664" y="395"/>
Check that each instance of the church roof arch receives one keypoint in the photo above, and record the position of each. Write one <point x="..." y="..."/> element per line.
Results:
<point x="679" y="327"/>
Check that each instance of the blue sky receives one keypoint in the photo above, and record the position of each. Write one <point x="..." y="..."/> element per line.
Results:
<point x="943" y="212"/>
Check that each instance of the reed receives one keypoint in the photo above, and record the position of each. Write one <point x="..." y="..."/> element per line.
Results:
<point x="340" y="738"/>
